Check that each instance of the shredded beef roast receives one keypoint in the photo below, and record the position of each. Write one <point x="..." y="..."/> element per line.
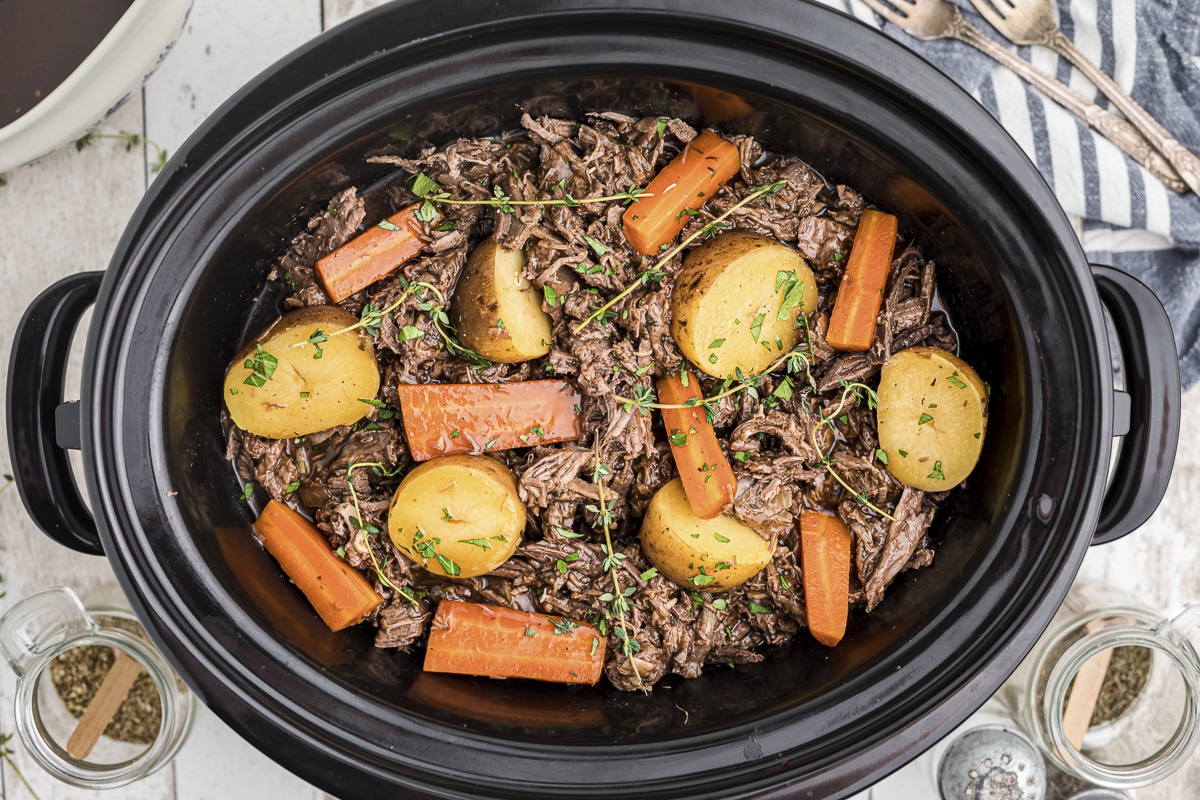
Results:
<point x="774" y="437"/>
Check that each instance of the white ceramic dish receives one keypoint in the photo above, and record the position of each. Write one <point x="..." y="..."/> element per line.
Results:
<point x="109" y="76"/>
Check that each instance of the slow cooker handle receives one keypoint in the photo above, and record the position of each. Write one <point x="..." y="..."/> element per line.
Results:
<point x="1151" y="367"/>
<point x="36" y="373"/>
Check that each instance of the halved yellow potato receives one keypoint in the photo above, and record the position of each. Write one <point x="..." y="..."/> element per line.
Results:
<point x="457" y="515"/>
<point x="706" y="554"/>
<point x="291" y="393"/>
<point x="735" y="302"/>
<point x="932" y="418"/>
<point x="498" y="313"/>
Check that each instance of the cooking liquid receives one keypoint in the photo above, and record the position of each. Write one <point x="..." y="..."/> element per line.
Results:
<point x="43" y="41"/>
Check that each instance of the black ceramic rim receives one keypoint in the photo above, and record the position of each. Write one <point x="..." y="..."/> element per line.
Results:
<point x="778" y="757"/>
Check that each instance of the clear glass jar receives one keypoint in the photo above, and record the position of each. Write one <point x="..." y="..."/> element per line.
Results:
<point x="1153" y="728"/>
<point x="43" y="627"/>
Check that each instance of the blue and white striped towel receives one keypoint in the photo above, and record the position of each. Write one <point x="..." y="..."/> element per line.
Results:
<point x="1128" y="219"/>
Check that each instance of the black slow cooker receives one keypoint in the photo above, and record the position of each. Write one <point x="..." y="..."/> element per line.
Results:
<point x="185" y="290"/>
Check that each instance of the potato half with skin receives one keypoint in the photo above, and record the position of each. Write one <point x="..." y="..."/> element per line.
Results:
<point x="303" y="394"/>
<point x="497" y="311"/>
<point x="712" y="555"/>
<point x="457" y="515"/>
<point x="932" y="418"/>
<point x="735" y="302"/>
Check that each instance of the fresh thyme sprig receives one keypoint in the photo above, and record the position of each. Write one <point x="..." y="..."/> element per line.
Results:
<point x="433" y="194"/>
<point x="857" y="391"/>
<point x="796" y="359"/>
<point x="656" y="273"/>
<point x="378" y="467"/>
<point x="131" y="140"/>
<point x="7" y="754"/>
<point x="371" y="320"/>
<point x="618" y="597"/>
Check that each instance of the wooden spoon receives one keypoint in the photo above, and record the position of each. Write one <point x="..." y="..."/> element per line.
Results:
<point x="104" y="705"/>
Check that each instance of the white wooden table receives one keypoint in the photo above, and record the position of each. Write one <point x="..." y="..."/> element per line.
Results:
<point x="65" y="214"/>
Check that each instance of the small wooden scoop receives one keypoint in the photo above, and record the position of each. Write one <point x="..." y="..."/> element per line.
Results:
<point x="1085" y="689"/>
<point x="104" y="705"/>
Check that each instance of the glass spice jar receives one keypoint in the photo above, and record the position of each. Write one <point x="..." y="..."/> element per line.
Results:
<point x="62" y="654"/>
<point x="1146" y="717"/>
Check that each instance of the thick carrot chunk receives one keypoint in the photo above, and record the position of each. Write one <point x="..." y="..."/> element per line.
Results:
<point x="497" y="642"/>
<point x="708" y="480"/>
<point x="852" y="324"/>
<point x="687" y="182"/>
<point x="339" y="593"/>
<point x="825" y="562"/>
<point x="372" y="255"/>
<point x="440" y="419"/>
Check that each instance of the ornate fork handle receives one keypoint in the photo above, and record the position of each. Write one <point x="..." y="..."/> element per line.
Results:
<point x="1182" y="159"/>
<point x="1118" y="131"/>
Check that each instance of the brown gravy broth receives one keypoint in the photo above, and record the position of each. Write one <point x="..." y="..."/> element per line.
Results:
<point x="43" y="41"/>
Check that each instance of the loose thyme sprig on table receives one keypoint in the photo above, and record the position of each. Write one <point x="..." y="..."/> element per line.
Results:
<point x="618" y="598"/>
<point x="7" y="754"/>
<point x="131" y="140"/>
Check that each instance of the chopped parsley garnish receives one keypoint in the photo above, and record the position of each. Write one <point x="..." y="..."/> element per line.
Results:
<point x="882" y="455"/>
<point x="756" y="326"/>
<point x="291" y="487"/>
<point x="262" y="367"/>
<point x="529" y="631"/>
<point x="954" y="379"/>
<point x="924" y="418"/>
<point x="903" y="453"/>
<point x="388" y="225"/>
<point x="701" y="579"/>
<point x="720" y="538"/>
<point x="755" y="608"/>
<point x="597" y="248"/>
<point x="741" y="455"/>
<point x="678" y="438"/>
<point x="937" y="472"/>
<point x="410" y="332"/>
<point x="477" y="542"/>
<point x="715" y="343"/>
<point x="248" y="490"/>
<point x="720" y="604"/>
<point x="550" y="295"/>
<point x="650" y="573"/>
<point x="454" y="434"/>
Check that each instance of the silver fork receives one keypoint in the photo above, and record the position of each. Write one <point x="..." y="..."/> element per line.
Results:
<point x="1032" y="22"/>
<point x="940" y="19"/>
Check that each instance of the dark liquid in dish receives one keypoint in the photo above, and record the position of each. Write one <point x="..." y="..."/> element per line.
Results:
<point x="43" y="41"/>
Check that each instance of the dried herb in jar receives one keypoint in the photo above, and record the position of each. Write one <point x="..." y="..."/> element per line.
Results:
<point x="78" y="673"/>
<point x="1124" y="680"/>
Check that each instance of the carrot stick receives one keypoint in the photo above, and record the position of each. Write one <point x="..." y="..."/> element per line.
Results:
<point x="339" y="593"/>
<point x="825" y="562"/>
<point x="497" y="642"/>
<point x="440" y="419"/>
<point x="372" y="254"/>
<point x="708" y="479"/>
<point x="852" y="324"/>
<point x="688" y="181"/>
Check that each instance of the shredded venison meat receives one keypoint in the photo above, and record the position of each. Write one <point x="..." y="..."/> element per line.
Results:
<point x="782" y="439"/>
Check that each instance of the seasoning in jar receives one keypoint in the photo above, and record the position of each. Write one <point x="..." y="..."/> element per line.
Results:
<point x="78" y="673"/>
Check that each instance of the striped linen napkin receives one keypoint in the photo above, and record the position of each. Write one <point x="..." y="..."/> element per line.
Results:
<point x="1125" y="217"/>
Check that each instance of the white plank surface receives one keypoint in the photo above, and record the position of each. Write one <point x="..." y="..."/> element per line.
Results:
<point x="65" y="214"/>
